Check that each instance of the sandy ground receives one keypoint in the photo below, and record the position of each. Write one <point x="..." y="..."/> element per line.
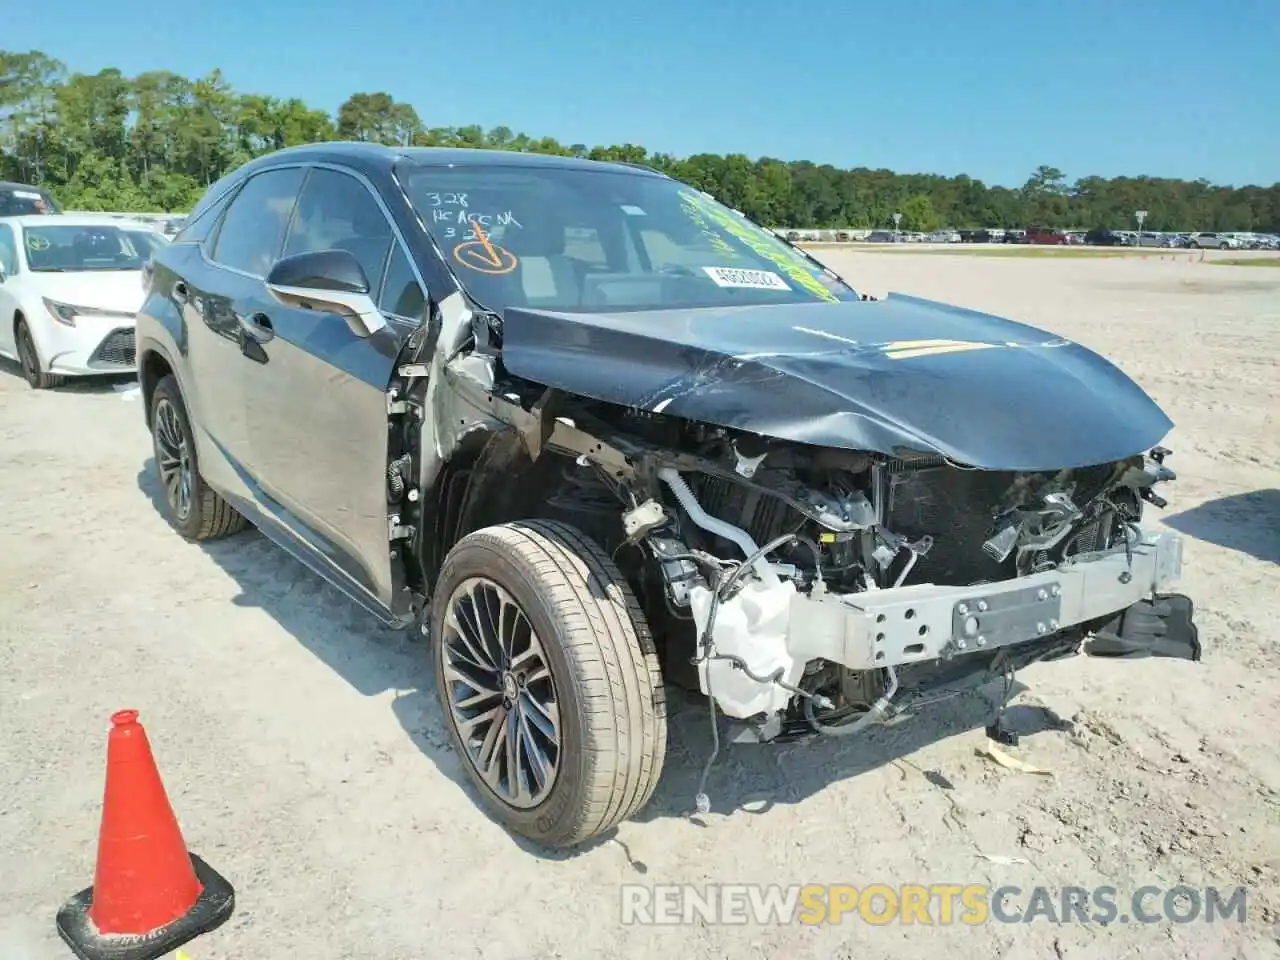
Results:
<point x="306" y="759"/>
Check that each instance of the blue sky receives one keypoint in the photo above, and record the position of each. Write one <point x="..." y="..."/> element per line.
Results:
<point x="993" y="88"/>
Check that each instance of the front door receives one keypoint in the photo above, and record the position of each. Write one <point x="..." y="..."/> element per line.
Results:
<point x="316" y="392"/>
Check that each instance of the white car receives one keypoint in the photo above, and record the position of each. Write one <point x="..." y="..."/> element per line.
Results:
<point x="69" y="289"/>
<point x="1220" y="241"/>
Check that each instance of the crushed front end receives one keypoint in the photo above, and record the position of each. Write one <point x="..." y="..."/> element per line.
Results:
<point x="812" y="590"/>
<point x="827" y="589"/>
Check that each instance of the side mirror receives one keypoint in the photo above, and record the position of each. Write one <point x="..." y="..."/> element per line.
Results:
<point x="330" y="280"/>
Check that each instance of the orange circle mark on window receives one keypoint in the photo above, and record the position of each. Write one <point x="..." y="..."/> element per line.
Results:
<point x="485" y="257"/>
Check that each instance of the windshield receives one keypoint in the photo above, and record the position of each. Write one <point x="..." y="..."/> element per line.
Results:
<point x="147" y="242"/>
<point x="25" y="201"/>
<point x="82" y="248"/>
<point x="577" y="240"/>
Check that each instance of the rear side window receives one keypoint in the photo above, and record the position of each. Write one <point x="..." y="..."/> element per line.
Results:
<point x="252" y="231"/>
<point x="197" y="229"/>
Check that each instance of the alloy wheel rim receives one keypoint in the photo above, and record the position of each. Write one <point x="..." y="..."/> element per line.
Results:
<point x="173" y="459"/>
<point x="502" y="697"/>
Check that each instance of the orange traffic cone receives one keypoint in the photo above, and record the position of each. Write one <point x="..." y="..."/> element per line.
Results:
<point x="149" y="895"/>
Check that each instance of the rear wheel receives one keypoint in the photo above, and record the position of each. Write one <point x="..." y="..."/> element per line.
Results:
<point x="549" y="680"/>
<point x="29" y="359"/>
<point x="191" y="508"/>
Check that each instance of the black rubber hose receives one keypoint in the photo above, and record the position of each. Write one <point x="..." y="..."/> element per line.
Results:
<point x="769" y="547"/>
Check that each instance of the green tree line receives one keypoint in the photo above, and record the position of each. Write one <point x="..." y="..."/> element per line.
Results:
<point x="155" y="142"/>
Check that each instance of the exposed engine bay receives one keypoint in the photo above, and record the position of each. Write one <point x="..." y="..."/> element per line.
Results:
<point x="751" y="553"/>
<point x="777" y="519"/>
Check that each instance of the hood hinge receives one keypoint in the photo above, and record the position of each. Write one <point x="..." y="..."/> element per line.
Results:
<point x="395" y="406"/>
<point x="395" y="531"/>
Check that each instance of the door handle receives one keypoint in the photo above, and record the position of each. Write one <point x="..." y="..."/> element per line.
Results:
<point x="259" y="327"/>
<point x="180" y="292"/>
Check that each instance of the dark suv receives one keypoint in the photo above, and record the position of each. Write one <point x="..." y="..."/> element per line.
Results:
<point x="1102" y="237"/>
<point x="21" y="200"/>
<point x="591" y="430"/>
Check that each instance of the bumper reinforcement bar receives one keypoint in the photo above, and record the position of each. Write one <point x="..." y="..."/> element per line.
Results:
<point x="904" y="625"/>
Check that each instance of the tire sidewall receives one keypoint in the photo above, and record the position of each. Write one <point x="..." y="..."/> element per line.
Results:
<point x="167" y="390"/>
<point x="26" y="343"/>
<point x="554" y="818"/>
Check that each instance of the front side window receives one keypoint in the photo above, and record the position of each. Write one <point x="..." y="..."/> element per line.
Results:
<point x="76" y="249"/>
<point x="8" y="251"/>
<point x="566" y="238"/>
<point x="337" y="212"/>
<point x="251" y="232"/>
<point x="401" y="294"/>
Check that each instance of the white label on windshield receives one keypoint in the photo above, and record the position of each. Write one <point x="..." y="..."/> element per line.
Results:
<point x="750" y="279"/>
<point x="27" y="195"/>
<point x="633" y="211"/>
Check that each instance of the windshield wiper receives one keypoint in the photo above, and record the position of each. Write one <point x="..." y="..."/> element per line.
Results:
<point x="822" y="266"/>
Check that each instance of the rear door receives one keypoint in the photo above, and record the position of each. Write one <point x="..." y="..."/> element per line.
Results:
<point x="316" y="391"/>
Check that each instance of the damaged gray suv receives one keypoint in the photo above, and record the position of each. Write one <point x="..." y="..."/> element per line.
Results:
<point x="595" y="433"/>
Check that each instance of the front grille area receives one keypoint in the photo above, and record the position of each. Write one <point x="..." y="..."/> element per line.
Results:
<point x="117" y="348"/>
<point x="954" y="507"/>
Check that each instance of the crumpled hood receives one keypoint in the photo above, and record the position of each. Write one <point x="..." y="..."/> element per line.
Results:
<point x="896" y="375"/>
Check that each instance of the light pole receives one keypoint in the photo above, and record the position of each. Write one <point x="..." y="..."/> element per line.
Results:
<point x="897" y="219"/>
<point x="1141" y="215"/>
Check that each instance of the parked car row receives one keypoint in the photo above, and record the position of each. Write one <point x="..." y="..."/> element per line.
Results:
<point x="1199" y="240"/>
<point x="1049" y="236"/>
<point x="167" y="223"/>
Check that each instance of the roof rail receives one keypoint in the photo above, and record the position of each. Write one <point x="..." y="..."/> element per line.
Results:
<point x="638" y="166"/>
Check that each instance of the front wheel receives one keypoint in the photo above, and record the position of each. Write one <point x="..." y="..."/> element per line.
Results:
<point x="29" y="360"/>
<point x="549" y="680"/>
